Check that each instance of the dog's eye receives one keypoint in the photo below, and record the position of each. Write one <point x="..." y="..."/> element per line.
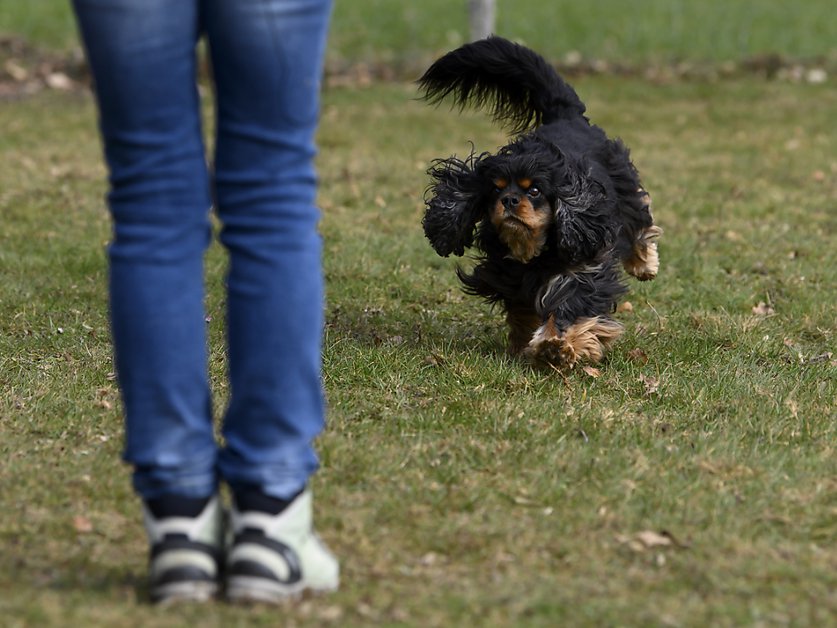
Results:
<point x="533" y="192"/>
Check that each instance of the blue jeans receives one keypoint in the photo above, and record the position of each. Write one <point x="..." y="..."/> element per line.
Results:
<point x="267" y="61"/>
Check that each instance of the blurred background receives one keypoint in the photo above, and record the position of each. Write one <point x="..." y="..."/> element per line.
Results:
<point x="387" y="39"/>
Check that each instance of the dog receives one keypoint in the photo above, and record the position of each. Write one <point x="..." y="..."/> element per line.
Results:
<point x="553" y="214"/>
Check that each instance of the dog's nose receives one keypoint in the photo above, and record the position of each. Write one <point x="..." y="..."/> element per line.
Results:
<point x="510" y="202"/>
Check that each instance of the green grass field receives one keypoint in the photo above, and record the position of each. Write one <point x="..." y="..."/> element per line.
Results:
<point x="653" y="30"/>
<point x="691" y="481"/>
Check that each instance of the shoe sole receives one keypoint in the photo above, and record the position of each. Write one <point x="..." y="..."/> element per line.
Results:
<point x="177" y="592"/>
<point x="245" y="589"/>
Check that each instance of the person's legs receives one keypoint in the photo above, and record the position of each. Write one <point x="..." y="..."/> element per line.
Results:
<point x="267" y="60"/>
<point x="142" y="54"/>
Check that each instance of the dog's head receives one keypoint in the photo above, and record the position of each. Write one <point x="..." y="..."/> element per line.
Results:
<point x="525" y="191"/>
<point x="521" y="202"/>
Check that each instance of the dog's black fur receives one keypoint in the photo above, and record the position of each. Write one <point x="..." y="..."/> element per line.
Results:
<point x="554" y="213"/>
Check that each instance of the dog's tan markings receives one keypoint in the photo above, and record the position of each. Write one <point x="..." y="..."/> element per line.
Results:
<point x="523" y="322"/>
<point x="644" y="261"/>
<point x="524" y="232"/>
<point x="584" y="340"/>
<point x="645" y="197"/>
<point x="501" y="184"/>
<point x="524" y="183"/>
<point x="589" y="337"/>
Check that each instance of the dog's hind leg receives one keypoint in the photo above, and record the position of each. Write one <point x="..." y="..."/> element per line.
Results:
<point x="643" y="261"/>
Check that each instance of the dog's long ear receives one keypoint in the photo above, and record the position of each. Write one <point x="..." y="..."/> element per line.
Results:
<point x="454" y="205"/>
<point x="584" y="215"/>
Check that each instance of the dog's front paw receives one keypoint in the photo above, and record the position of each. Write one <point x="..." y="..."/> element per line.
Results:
<point x="584" y="340"/>
<point x="551" y="351"/>
<point x="549" y="348"/>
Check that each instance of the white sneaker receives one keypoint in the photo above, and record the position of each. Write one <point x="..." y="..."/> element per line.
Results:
<point x="276" y="557"/>
<point x="185" y="554"/>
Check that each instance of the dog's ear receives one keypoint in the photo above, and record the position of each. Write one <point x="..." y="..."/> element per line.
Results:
<point x="454" y="205"/>
<point x="584" y="214"/>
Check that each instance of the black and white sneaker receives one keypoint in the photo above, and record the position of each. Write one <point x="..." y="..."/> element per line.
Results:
<point x="185" y="537"/>
<point x="275" y="557"/>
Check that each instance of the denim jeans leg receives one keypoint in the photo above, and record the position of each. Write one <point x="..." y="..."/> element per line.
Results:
<point x="267" y="61"/>
<point x="142" y="54"/>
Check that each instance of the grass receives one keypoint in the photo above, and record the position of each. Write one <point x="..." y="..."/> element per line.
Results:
<point x="691" y="483"/>
<point x="654" y="31"/>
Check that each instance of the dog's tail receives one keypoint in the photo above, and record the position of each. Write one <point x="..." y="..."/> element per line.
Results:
<point x="517" y="85"/>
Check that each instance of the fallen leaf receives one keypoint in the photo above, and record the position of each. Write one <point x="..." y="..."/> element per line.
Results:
<point x="330" y="614"/>
<point x="763" y="309"/>
<point x="674" y="540"/>
<point x="816" y="76"/>
<point x="434" y="359"/>
<point x="592" y="371"/>
<point x="365" y="610"/>
<point x="521" y="500"/>
<point x="652" y="384"/>
<point x="429" y="559"/>
<point x="637" y="355"/>
<point x="649" y="538"/>
<point x="82" y="524"/>
<point x="59" y="81"/>
<point x="16" y="71"/>
<point x="709" y="467"/>
<point x="823" y="357"/>
<point x="625" y="306"/>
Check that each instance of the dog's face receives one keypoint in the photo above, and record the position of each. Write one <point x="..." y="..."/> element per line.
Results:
<point x="521" y="213"/>
<point x="529" y="193"/>
<point x="521" y="200"/>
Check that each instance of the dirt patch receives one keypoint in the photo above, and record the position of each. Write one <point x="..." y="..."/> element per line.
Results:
<point x="26" y="69"/>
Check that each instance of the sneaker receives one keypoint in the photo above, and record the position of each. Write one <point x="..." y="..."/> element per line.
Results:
<point x="185" y="548"/>
<point x="276" y="557"/>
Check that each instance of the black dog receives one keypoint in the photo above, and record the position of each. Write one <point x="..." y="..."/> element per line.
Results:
<point x="554" y="212"/>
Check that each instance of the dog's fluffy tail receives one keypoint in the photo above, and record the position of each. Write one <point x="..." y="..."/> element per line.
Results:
<point x="517" y="85"/>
